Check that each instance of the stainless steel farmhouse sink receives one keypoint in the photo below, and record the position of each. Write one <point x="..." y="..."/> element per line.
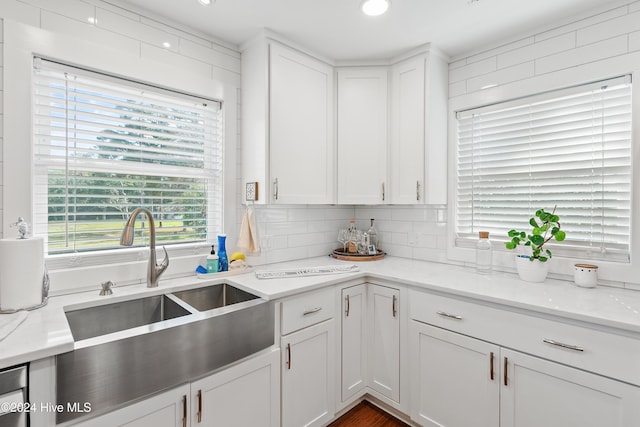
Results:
<point x="127" y="350"/>
<point x="105" y="319"/>
<point x="214" y="296"/>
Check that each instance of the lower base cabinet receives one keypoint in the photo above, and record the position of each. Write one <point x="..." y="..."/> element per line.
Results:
<point x="308" y="371"/>
<point x="460" y="381"/>
<point x="247" y="394"/>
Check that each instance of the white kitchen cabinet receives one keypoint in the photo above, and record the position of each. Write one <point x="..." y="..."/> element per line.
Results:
<point x="308" y="372"/>
<point x="537" y="392"/>
<point x="418" y="130"/>
<point x="219" y="399"/>
<point x="362" y="135"/>
<point x="465" y="371"/>
<point x="353" y="342"/>
<point x="288" y="143"/>
<point x="384" y="341"/>
<point x="247" y="394"/>
<point x="167" y="409"/>
<point x="455" y="379"/>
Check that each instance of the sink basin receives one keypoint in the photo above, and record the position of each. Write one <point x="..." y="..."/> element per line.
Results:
<point x="130" y="350"/>
<point x="105" y="319"/>
<point x="215" y="296"/>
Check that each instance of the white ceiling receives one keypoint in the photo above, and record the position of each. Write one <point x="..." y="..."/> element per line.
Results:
<point x="338" y="30"/>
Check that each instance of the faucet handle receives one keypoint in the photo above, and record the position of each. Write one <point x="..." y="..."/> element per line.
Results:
<point x="106" y="288"/>
<point x="165" y="262"/>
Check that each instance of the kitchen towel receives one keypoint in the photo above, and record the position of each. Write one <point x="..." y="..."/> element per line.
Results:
<point x="248" y="241"/>
<point x="21" y="273"/>
<point x="9" y="322"/>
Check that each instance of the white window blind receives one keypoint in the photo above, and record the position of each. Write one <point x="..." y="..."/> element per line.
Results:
<point x="568" y="148"/>
<point x="104" y="146"/>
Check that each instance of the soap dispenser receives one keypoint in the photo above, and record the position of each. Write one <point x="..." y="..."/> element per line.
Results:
<point x="212" y="261"/>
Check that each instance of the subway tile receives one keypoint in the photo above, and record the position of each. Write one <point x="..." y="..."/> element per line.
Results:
<point x="207" y="54"/>
<point x="634" y="41"/>
<point x="135" y="29"/>
<point x="505" y="75"/>
<point x="166" y="56"/>
<point x="286" y="228"/>
<point x="536" y="50"/>
<point x="20" y="12"/>
<point x="582" y="23"/>
<point x="305" y="213"/>
<point x="375" y="212"/>
<point x="62" y="25"/>
<point x="634" y="7"/>
<point x="72" y="9"/>
<point x="289" y="254"/>
<point x="518" y="44"/>
<point x="457" y="88"/>
<point x="608" y="29"/>
<point x="472" y="70"/>
<point x="457" y="63"/>
<point x="398" y="250"/>
<point x="582" y="55"/>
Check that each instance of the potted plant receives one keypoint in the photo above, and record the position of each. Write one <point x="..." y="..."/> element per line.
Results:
<point x="545" y="227"/>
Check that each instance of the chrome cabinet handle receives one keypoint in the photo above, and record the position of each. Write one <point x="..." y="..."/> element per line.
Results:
<point x="563" y="345"/>
<point x="184" y="410"/>
<point x="418" y="190"/>
<point x="275" y="189"/>
<point x="449" y="316"/>
<point x="383" y="191"/>
<point x="394" y="303"/>
<point x="348" y="306"/>
<point x="289" y="356"/>
<point x="313" y="310"/>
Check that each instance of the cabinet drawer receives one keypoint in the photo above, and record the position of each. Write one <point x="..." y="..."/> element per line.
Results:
<point x="583" y="346"/>
<point x="307" y="309"/>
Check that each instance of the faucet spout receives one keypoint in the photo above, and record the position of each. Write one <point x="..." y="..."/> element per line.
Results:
<point x="154" y="270"/>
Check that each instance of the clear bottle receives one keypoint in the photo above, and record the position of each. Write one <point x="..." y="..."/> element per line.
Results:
<point x="373" y="235"/>
<point x="484" y="255"/>
<point x="352" y="237"/>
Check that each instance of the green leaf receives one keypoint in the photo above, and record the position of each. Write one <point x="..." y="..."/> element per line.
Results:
<point x="537" y="239"/>
<point x="533" y="222"/>
<point x="560" y="236"/>
<point x="537" y="231"/>
<point x="510" y="245"/>
<point x="542" y="259"/>
<point x="513" y="233"/>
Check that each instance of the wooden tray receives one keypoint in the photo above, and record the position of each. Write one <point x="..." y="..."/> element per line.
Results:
<point x="347" y="256"/>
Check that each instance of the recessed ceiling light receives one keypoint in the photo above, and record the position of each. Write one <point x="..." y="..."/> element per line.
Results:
<point x="166" y="45"/>
<point x="375" y="7"/>
<point x="205" y="2"/>
<point x="92" y="20"/>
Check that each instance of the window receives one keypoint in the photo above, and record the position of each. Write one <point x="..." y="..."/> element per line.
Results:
<point x="568" y="148"/>
<point x="105" y="146"/>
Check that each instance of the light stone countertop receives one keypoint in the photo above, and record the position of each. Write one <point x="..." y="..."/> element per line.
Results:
<point x="46" y="333"/>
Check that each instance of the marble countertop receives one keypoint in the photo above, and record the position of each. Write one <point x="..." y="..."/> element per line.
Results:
<point x="46" y="333"/>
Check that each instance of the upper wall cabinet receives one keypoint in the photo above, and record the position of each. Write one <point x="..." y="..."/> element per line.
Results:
<point x="288" y="142"/>
<point x="418" y="130"/>
<point x="362" y="135"/>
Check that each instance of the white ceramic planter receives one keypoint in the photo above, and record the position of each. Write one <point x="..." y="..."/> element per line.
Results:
<point x="535" y="271"/>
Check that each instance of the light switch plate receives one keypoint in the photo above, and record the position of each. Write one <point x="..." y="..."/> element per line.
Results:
<point x="251" y="192"/>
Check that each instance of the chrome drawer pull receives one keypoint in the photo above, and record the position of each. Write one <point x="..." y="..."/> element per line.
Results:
<point x="450" y="316"/>
<point x="563" y="345"/>
<point x="313" y="310"/>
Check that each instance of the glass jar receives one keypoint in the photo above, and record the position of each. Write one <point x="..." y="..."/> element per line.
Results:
<point x="484" y="254"/>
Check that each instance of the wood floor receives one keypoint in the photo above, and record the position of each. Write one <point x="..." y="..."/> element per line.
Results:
<point x="367" y="415"/>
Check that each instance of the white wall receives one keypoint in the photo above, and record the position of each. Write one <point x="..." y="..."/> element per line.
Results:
<point x="592" y="47"/>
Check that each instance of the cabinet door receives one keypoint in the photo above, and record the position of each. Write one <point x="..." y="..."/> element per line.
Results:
<point x="455" y="379"/>
<point x="246" y="394"/>
<point x="301" y="142"/>
<point x="406" y="151"/>
<point x="543" y="393"/>
<point x="308" y="372"/>
<point x="384" y="339"/>
<point x="362" y="135"/>
<point x="168" y="409"/>
<point x="353" y="372"/>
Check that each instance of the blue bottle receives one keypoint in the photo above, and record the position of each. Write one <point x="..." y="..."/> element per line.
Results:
<point x="223" y="260"/>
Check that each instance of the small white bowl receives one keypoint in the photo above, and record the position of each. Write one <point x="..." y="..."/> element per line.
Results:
<point x="585" y="275"/>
